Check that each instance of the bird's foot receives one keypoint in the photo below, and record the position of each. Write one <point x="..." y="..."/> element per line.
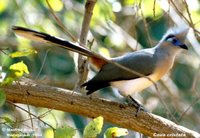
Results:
<point x="137" y="105"/>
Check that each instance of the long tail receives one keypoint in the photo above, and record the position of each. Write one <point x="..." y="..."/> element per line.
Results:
<point x="46" y="38"/>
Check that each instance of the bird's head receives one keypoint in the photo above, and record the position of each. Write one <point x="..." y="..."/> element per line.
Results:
<point x="175" y="39"/>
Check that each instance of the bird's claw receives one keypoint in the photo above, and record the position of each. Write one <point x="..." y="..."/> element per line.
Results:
<point x="137" y="105"/>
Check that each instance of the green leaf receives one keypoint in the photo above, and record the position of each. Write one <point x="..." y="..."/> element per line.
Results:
<point x="3" y="5"/>
<point x="19" y="69"/>
<point x="65" y="132"/>
<point x="8" y="120"/>
<point x="93" y="128"/>
<point x="23" y="53"/>
<point x="57" y="5"/>
<point x="16" y="71"/>
<point x="114" y="132"/>
<point x="7" y="81"/>
<point x="2" y="98"/>
<point x="48" y="133"/>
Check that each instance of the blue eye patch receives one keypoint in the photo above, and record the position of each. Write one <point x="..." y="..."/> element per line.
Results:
<point x="172" y="39"/>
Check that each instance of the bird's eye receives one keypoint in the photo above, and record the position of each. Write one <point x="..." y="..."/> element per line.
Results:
<point x="174" y="40"/>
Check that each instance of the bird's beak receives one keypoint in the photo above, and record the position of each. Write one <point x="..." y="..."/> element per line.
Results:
<point x="184" y="46"/>
<point x="180" y="44"/>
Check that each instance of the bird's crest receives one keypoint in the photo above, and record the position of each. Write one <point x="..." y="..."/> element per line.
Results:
<point x="178" y="32"/>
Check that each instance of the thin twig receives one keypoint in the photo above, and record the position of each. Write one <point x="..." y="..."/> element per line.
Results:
<point x="43" y="63"/>
<point x="189" y="14"/>
<point x="180" y="12"/>
<point x="195" y="80"/>
<point x="59" y="22"/>
<point x="31" y="114"/>
<point x="83" y="63"/>
<point x="154" y="8"/>
<point x="191" y="105"/>
<point x="165" y="105"/>
<point x="3" y="51"/>
<point x="150" y="42"/>
<point x="146" y="28"/>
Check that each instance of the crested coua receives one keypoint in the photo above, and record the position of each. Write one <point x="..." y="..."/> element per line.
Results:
<point x="152" y="63"/>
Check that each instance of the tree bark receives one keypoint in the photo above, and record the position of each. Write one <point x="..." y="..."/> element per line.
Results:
<point x="28" y="92"/>
<point x="82" y="62"/>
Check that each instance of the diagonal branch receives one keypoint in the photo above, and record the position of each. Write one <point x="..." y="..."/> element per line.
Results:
<point x="65" y="100"/>
<point x="83" y="63"/>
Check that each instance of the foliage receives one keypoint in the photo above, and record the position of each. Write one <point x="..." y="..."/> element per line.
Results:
<point x="15" y="71"/>
<point x="65" y="132"/>
<point x="22" y="53"/>
<point x="93" y="128"/>
<point x="2" y="98"/>
<point x="114" y="132"/>
<point x="18" y="69"/>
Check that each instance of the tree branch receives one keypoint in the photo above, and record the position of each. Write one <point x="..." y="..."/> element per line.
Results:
<point x="65" y="100"/>
<point x="83" y="63"/>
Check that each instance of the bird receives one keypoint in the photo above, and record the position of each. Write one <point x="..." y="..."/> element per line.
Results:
<point x="150" y="64"/>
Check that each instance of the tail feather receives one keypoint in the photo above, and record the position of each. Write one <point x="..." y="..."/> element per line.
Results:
<point x="46" y="38"/>
<point x="94" y="86"/>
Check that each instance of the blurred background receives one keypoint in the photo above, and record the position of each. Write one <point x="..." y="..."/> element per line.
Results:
<point x="117" y="27"/>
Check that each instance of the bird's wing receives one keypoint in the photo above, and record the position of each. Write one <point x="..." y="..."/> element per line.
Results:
<point x="141" y="61"/>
